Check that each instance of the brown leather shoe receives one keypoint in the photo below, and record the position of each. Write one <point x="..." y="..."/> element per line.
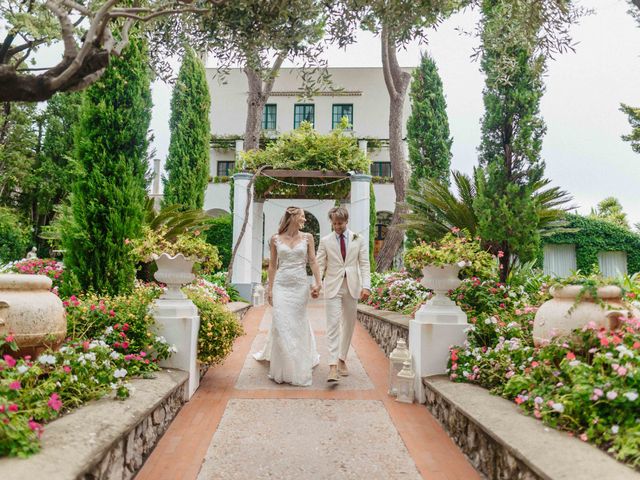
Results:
<point x="333" y="376"/>
<point x="343" y="371"/>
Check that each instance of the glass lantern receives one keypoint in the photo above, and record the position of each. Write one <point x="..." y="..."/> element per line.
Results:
<point x="399" y="355"/>
<point x="405" y="383"/>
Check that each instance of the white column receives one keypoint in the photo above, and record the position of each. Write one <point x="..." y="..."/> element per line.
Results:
<point x="360" y="198"/>
<point x="362" y="144"/>
<point x="257" y="243"/>
<point x="155" y="193"/>
<point x="243" y="259"/>
<point x="178" y="322"/>
<point x="439" y="324"/>
<point x="239" y="148"/>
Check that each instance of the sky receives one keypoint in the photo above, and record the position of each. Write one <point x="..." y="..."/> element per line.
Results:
<point x="582" y="148"/>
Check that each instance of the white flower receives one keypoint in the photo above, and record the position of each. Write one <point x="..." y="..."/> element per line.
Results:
<point x="631" y="396"/>
<point x="574" y="363"/>
<point x="611" y="395"/>
<point x="22" y="369"/>
<point x="161" y="339"/>
<point x="115" y="355"/>
<point x="47" y="359"/>
<point x="615" y="429"/>
<point x="120" y="373"/>
<point x="558" y="407"/>
<point x="108" y="331"/>
<point x="173" y="349"/>
<point x="74" y="378"/>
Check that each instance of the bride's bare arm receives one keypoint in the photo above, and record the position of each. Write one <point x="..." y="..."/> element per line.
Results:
<point x="313" y="263"/>
<point x="271" y="271"/>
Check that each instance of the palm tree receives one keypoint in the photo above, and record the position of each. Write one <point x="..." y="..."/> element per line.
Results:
<point x="436" y="207"/>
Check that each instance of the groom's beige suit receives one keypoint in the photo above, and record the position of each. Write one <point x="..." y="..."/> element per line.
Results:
<point x="344" y="279"/>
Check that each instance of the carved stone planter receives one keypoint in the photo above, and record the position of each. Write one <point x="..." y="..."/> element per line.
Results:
<point x="174" y="271"/>
<point x="561" y="314"/>
<point x="441" y="279"/>
<point x="29" y="311"/>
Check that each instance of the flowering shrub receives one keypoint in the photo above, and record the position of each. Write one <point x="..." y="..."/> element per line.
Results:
<point x="452" y="249"/>
<point x="41" y="266"/>
<point x="35" y="391"/>
<point x="155" y="241"/>
<point x="216" y="293"/>
<point x="220" y="279"/>
<point x="587" y="383"/>
<point x="218" y="327"/>
<point x="397" y="292"/>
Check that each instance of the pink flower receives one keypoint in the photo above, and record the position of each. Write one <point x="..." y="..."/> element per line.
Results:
<point x="92" y="308"/>
<point x="35" y="426"/>
<point x="10" y="361"/>
<point x="112" y="313"/>
<point x="622" y="371"/>
<point x="500" y="254"/>
<point x="16" y="385"/>
<point x="9" y="338"/>
<point x="583" y="437"/>
<point x="66" y="368"/>
<point x="125" y="345"/>
<point x="455" y="230"/>
<point x="13" y="407"/>
<point x="54" y="402"/>
<point x="571" y="356"/>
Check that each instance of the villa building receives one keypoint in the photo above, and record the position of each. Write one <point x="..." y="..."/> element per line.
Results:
<point x="361" y="97"/>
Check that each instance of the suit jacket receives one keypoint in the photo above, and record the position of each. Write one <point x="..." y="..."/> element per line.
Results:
<point x="333" y="268"/>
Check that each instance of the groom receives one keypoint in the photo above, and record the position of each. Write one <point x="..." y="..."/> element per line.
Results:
<point x="343" y="258"/>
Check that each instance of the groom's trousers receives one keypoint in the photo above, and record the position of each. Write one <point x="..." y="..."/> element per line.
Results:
<point x="341" y="312"/>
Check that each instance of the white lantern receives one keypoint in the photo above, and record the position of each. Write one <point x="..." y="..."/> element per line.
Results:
<point x="406" y="377"/>
<point x="399" y="355"/>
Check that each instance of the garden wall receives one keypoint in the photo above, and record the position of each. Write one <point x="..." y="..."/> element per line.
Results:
<point x="385" y="327"/>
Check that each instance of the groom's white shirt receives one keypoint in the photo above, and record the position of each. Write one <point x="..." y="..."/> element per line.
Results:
<point x="355" y="267"/>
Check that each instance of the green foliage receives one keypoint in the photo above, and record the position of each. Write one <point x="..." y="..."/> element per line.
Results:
<point x="218" y="328"/>
<point x="396" y="292"/>
<point x="188" y="159"/>
<point x="428" y="134"/>
<point x="14" y="236"/>
<point x="634" y="119"/>
<point x="610" y="210"/>
<point x="220" y="234"/>
<point x="512" y="130"/>
<point x="50" y="180"/>
<point x="452" y="249"/>
<point x="306" y="149"/>
<point x="220" y="279"/>
<point x="110" y="190"/>
<point x="18" y="149"/>
<point x="591" y="236"/>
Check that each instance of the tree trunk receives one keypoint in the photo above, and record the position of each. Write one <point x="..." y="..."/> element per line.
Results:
<point x="255" y="107"/>
<point x="397" y="83"/>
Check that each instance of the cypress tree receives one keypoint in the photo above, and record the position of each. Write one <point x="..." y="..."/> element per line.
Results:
<point x="512" y="131"/>
<point x="428" y="126"/>
<point x="188" y="158"/>
<point x="109" y="193"/>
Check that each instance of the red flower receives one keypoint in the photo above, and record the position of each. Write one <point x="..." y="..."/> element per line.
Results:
<point x="54" y="402"/>
<point x="616" y="340"/>
<point x="534" y="364"/>
<point x="571" y="356"/>
<point x="125" y="345"/>
<point x="636" y="345"/>
<point x="112" y="313"/>
<point x="10" y="361"/>
<point x="13" y="407"/>
<point x="36" y="427"/>
<point x="16" y="385"/>
<point x="604" y="341"/>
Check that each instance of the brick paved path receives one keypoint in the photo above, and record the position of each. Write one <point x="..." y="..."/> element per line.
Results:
<point x="240" y="425"/>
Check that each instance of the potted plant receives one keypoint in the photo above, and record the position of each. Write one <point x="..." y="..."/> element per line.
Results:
<point x="441" y="262"/>
<point x="579" y="300"/>
<point x="176" y="259"/>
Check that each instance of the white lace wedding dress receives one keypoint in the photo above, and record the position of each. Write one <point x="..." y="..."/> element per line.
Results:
<point x="291" y="345"/>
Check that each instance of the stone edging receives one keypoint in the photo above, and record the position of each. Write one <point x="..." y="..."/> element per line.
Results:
<point x="105" y="439"/>
<point x="385" y="327"/>
<point x="501" y="442"/>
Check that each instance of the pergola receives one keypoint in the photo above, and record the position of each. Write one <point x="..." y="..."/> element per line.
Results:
<point x="247" y="264"/>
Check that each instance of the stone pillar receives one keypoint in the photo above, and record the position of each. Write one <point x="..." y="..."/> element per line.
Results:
<point x="436" y="326"/>
<point x="362" y="144"/>
<point x="178" y="322"/>
<point x="155" y="193"/>
<point x="257" y="243"/>
<point x="360" y="199"/>
<point x="239" y="148"/>
<point x="242" y="263"/>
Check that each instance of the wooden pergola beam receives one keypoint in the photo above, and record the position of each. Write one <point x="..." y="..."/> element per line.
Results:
<point x="276" y="173"/>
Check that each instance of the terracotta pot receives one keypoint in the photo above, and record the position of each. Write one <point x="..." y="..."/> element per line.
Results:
<point x="558" y="316"/>
<point x="174" y="271"/>
<point x="34" y="315"/>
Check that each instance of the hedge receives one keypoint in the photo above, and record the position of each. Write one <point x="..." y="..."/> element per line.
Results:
<point x="220" y="234"/>
<point x="595" y="236"/>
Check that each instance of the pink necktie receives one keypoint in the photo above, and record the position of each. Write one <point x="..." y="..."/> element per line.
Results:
<point x="343" y="247"/>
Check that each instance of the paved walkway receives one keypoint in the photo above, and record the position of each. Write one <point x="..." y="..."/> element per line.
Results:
<point x="241" y="425"/>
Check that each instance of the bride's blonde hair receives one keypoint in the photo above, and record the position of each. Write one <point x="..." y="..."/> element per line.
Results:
<point x="289" y="214"/>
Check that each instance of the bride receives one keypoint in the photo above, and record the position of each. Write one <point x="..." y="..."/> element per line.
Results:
<point x="291" y="345"/>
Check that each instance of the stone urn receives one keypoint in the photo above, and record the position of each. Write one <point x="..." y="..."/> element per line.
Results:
<point x="31" y="312"/>
<point x="174" y="271"/>
<point x="441" y="279"/>
<point x="561" y="314"/>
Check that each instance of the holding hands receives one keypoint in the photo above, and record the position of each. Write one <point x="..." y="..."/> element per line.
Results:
<point x="315" y="291"/>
